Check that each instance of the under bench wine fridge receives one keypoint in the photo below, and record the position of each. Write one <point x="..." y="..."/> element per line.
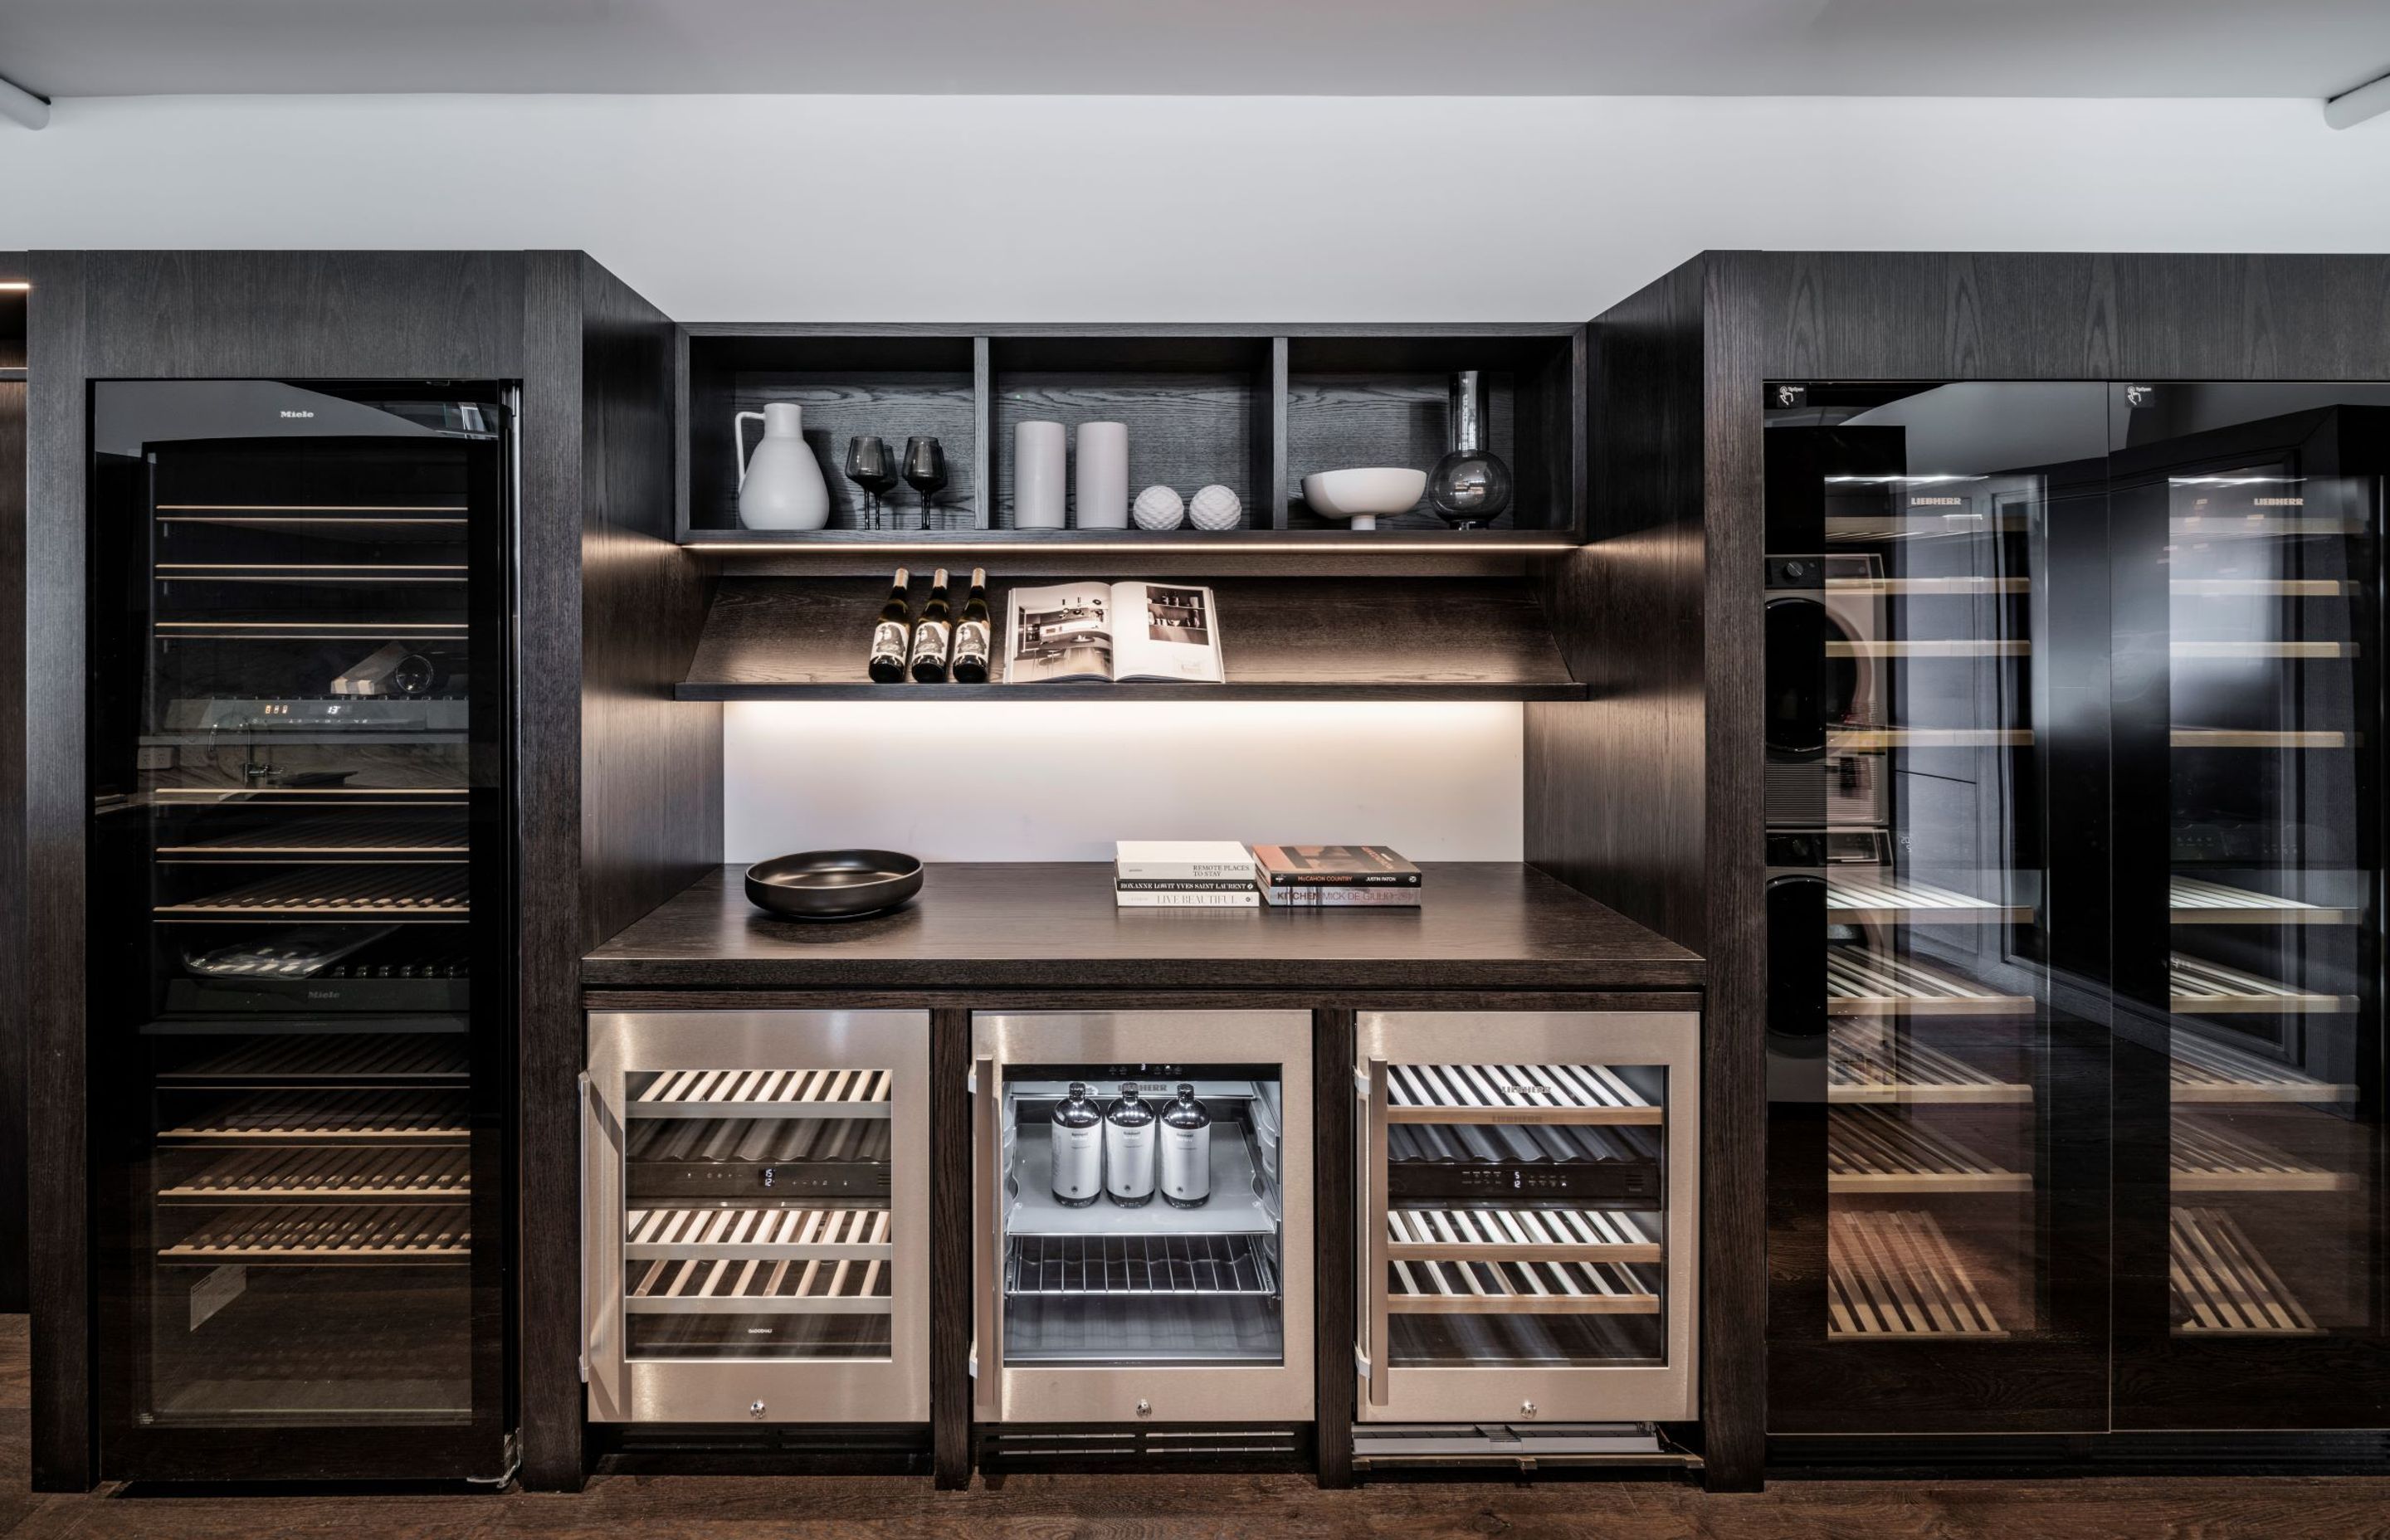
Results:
<point x="1142" y="1199"/>
<point x="300" y="923"/>
<point x="2075" y="804"/>
<point x="755" y="1217"/>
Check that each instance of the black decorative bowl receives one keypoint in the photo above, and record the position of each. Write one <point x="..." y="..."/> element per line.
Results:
<point x="833" y="884"/>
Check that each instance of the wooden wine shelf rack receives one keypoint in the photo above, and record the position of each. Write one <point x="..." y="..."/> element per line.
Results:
<point x="2258" y="526"/>
<point x="1848" y="528"/>
<point x="414" y="892"/>
<point x="764" y="1092"/>
<point x="1871" y="1151"/>
<point x="2194" y="901"/>
<point x="316" y="1236"/>
<point x="2234" y="737"/>
<point x="1894" y="1277"/>
<point x="1930" y="586"/>
<point x="2291" y="588"/>
<point x="2209" y="1157"/>
<point x="1862" y="901"/>
<point x="1513" y="1092"/>
<point x="1861" y="739"/>
<point x="1960" y="647"/>
<point x="2203" y="988"/>
<point x="1869" y="1066"/>
<point x="1516" y="1288"/>
<point x="774" y="1233"/>
<point x="2203" y="1071"/>
<point x="377" y="1117"/>
<point x="1519" y="1235"/>
<point x="1860" y="983"/>
<point x="2243" y="651"/>
<point x="360" y="1059"/>
<point x="759" y="1286"/>
<point x="338" y="836"/>
<point x="355" y="1175"/>
<point x="2222" y="1287"/>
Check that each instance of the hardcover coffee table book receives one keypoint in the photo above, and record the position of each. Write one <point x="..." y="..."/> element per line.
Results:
<point x="1336" y="876"/>
<point x="1113" y="630"/>
<point x="1184" y="874"/>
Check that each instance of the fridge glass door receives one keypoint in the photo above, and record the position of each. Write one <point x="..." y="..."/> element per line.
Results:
<point x="2249" y="811"/>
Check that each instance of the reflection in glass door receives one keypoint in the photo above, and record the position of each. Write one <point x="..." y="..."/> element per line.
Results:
<point x="1936" y="1089"/>
<point x="2249" y="806"/>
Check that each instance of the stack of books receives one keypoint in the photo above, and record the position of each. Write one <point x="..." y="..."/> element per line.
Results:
<point x="1184" y="874"/>
<point x="1335" y="877"/>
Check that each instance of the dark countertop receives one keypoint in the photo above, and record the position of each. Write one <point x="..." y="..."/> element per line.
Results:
<point x="1001" y="925"/>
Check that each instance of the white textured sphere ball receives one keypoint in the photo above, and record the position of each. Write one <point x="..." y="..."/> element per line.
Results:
<point x="1215" y="508"/>
<point x="1158" y="507"/>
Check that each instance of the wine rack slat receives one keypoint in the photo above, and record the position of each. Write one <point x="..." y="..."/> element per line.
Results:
<point x="2245" y="651"/>
<point x="2194" y="901"/>
<point x="1870" y="527"/>
<point x="1854" y="740"/>
<point x="1517" y="1287"/>
<point x="399" y="893"/>
<point x="1954" y="646"/>
<point x="1899" y="901"/>
<point x="378" y="1117"/>
<point x="2222" y="1287"/>
<point x="2206" y="1070"/>
<point x="849" y="1138"/>
<point x="1513" y="1092"/>
<point x="1929" y="586"/>
<point x="1860" y="983"/>
<point x="2209" y="1157"/>
<point x="361" y="1059"/>
<point x="2236" y="738"/>
<point x="858" y="1233"/>
<point x="315" y="1236"/>
<point x="2203" y="988"/>
<point x="1865" y="1066"/>
<point x="1520" y="1235"/>
<point x="758" y="1286"/>
<point x="353" y="1174"/>
<point x="2296" y="588"/>
<point x="1894" y="1277"/>
<point x="356" y="836"/>
<point x="1869" y="1150"/>
<point x="764" y="1092"/>
<point x="1137" y="1265"/>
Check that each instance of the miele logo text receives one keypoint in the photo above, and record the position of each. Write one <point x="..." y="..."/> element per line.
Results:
<point x="290" y="414"/>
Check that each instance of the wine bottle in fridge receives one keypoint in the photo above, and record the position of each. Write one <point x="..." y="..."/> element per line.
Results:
<point x="932" y="637"/>
<point x="974" y="637"/>
<point x="891" y="637"/>
<point x="1078" y="1148"/>
<point x="1129" y="1150"/>
<point x="1186" y="1152"/>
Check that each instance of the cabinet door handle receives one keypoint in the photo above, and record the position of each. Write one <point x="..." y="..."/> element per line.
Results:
<point x="1373" y="1351"/>
<point x="987" y="1208"/>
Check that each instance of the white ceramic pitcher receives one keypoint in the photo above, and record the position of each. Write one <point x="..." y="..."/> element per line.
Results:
<point x="780" y="487"/>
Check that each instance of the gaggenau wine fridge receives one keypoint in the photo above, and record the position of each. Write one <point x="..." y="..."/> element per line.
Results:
<point x="1529" y="1218"/>
<point x="755" y="1217"/>
<point x="298" y="929"/>
<point x="2074" y="800"/>
<point x="1161" y="1272"/>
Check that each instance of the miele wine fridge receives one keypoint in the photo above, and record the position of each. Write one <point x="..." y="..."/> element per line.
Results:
<point x="1159" y="1272"/>
<point x="2073" y="731"/>
<point x="298" y="929"/>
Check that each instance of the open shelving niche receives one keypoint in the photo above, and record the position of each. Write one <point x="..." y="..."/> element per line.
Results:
<point x="1309" y="609"/>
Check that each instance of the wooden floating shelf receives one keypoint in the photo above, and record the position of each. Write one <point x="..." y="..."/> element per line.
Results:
<point x="1920" y="587"/>
<point x="2203" y="988"/>
<point x="1519" y="1235"/>
<point x="1851" y="901"/>
<point x="1516" y="1288"/>
<point x="2208" y="1157"/>
<point x="1894" y="1277"/>
<point x="2222" y="1287"/>
<point x="2194" y="901"/>
<point x="1281" y="639"/>
<point x="2204" y="1070"/>
<point x="1860" y="983"/>
<point x="2246" y="651"/>
<point x="2292" y="588"/>
<point x="2234" y="737"/>
<point x="1952" y="648"/>
<point x="1863" y="1070"/>
<point x="1862" y="739"/>
<point x="1871" y="1151"/>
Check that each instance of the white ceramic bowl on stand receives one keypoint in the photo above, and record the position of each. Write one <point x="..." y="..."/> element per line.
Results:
<point x="1362" y="495"/>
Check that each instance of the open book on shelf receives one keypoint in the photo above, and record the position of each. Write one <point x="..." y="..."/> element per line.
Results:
<point x="1113" y="630"/>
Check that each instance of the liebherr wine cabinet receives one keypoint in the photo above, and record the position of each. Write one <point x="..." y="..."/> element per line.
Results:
<point x="300" y="969"/>
<point x="2074" y="800"/>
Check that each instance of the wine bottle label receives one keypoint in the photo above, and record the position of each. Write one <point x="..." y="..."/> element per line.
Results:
<point x="1128" y="1160"/>
<point x="930" y="642"/>
<point x="1078" y="1162"/>
<point x="888" y="641"/>
<point x="971" y="642"/>
<point x="1186" y="1163"/>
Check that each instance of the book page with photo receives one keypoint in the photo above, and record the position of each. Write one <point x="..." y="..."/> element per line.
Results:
<point x="1162" y="632"/>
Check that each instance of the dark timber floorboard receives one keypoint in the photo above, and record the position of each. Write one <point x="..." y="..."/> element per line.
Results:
<point x="750" y="1507"/>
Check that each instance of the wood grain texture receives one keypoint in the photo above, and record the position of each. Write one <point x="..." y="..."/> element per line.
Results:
<point x="1485" y="925"/>
<point x="1281" y="638"/>
<point x="1333" y="1205"/>
<point x="951" y="1240"/>
<point x="14" y="1033"/>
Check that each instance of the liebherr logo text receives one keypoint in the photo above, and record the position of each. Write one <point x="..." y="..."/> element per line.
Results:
<point x="298" y="414"/>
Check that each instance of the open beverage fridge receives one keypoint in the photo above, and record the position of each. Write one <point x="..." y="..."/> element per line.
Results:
<point x="2073" y="804"/>
<point x="299" y="926"/>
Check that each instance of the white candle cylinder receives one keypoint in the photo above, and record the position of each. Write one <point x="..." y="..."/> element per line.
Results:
<point x="1039" y="490"/>
<point x="1103" y="475"/>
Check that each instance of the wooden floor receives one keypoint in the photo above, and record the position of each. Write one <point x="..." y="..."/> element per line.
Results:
<point x="1086" y="1507"/>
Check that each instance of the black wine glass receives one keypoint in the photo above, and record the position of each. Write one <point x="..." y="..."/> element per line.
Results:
<point x="925" y="470"/>
<point x="868" y="466"/>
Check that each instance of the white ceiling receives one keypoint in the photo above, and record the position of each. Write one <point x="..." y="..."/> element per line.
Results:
<point x="1327" y="47"/>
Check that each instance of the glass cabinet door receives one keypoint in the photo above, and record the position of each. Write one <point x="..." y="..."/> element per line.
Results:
<point x="1936" y="701"/>
<point x="2248" y="807"/>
